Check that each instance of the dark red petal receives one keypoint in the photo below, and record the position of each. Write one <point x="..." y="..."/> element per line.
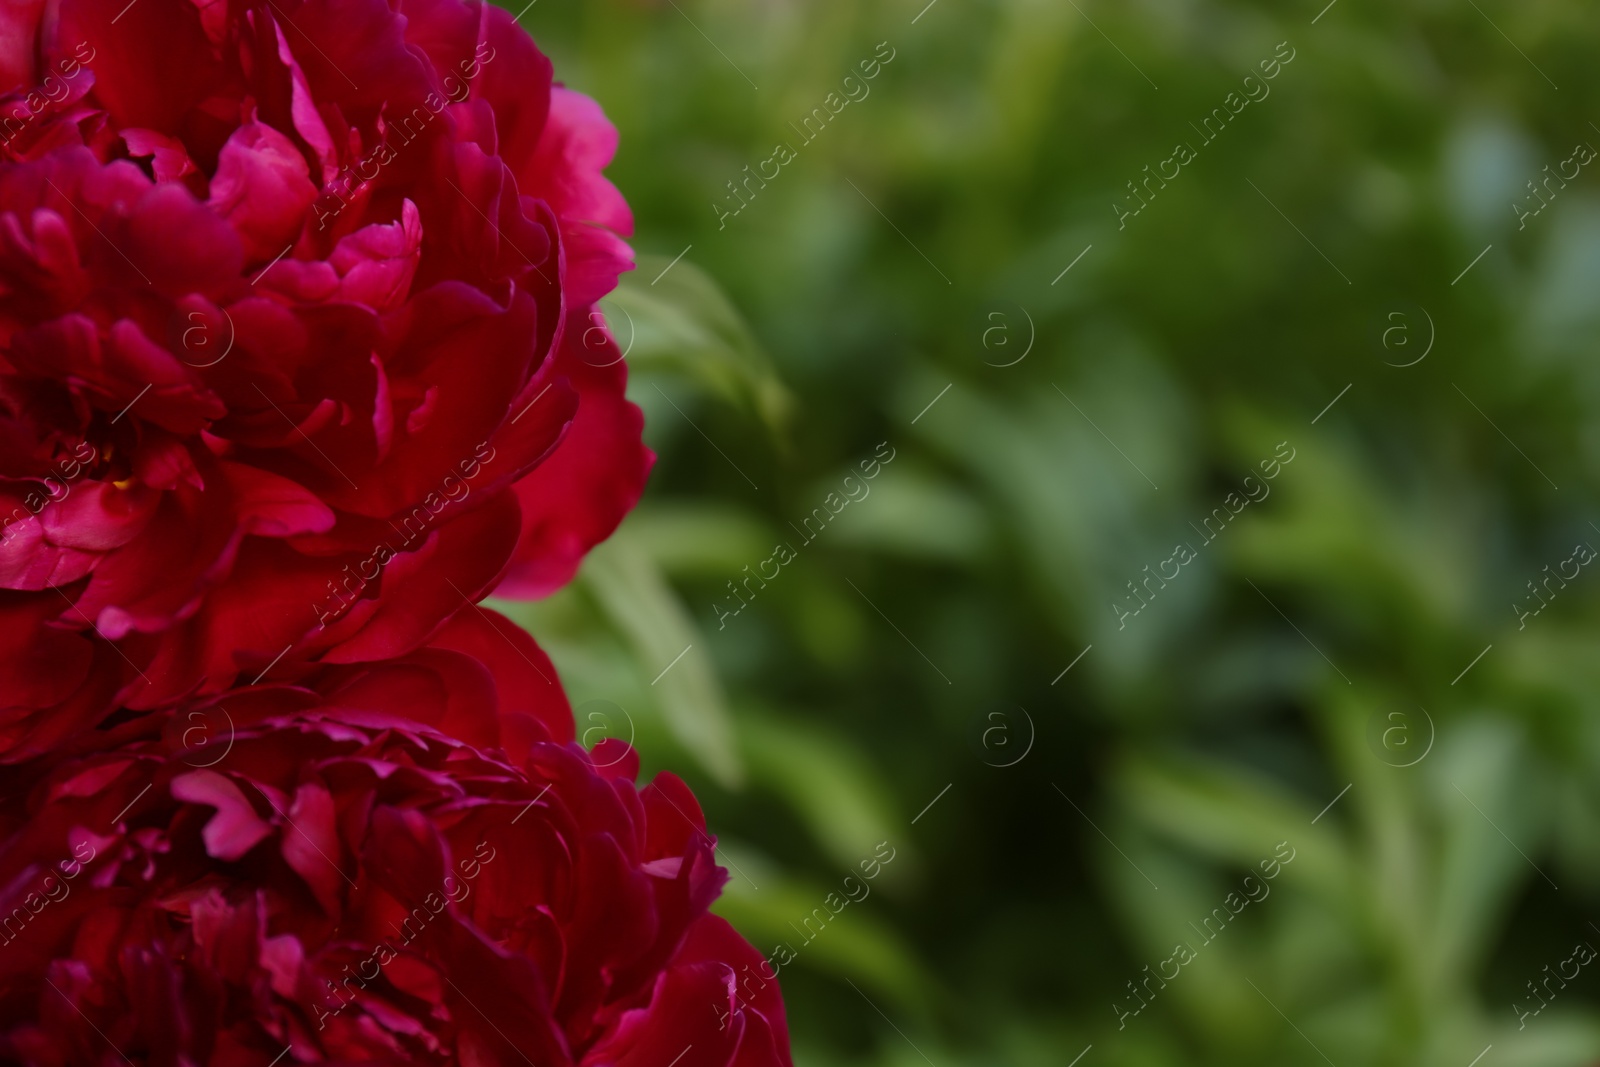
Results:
<point x="575" y="499"/>
<point x="158" y="577"/>
<point x="273" y="506"/>
<point x="39" y="664"/>
<point x="526" y="683"/>
<point x="577" y="144"/>
<point x="756" y="996"/>
<point x="235" y="828"/>
<point x="354" y="55"/>
<point x="311" y="844"/>
<point x="123" y="51"/>
<point x="267" y="606"/>
<point x="19" y="28"/>
<point x="483" y="47"/>
<point x="681" y="1020"/>
<point x="30" y="561"/>
<point x="455" y="567"/>
<point x="262" y="186"/>
<point x="673" y="816"/>
<point x="453" y="693"/>
<point x="462" y="361"/>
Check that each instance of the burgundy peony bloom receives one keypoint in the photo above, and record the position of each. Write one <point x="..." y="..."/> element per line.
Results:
<point x="298" y="353"/>
<point x="284" y="874"/>
<point x="299" y="359"/>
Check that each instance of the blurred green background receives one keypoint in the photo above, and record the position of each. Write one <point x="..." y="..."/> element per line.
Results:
<point x="1320" y="648"/>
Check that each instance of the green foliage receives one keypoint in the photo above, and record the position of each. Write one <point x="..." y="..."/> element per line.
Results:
<point x="1323" y="639"/>
<point x="682" y="323"/>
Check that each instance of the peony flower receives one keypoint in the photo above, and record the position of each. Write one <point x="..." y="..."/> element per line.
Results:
<point x="298" y="347"/>
<point x="323" y="873"/>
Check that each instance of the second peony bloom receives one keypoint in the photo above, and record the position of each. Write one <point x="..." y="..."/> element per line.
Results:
<point x="328" y="872"/>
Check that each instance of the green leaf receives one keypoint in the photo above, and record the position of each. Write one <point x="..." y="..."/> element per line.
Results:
<point x="635" y="597"/>
<point x="681" y="323"/>
<point x="827" y="783"/>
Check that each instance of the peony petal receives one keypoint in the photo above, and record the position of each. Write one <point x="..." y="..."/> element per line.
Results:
<point x="377" y="263"/>
<point x="526" y="683"/>
<point x="262" y="186"/>
<point x="311" y="844"/>
<point x="122" y="43"/>
<point x="157" y="578"/>
<point x="575" y="499"/>
<point x="453" y="568"/>
<point x="577" y="144"/>
<point x="30" y="561"/>
<point x="99" y="516"/>
<point x="753" y="987"/>
<point x="269" y="505"/>
<point x="19" y="28"/>
<point x="682" y="1014"/>
<point x="236" y="828"/>
<point x="168" y="156"/>
<point x="473" y="357"/>
<point x="39" y="664"/>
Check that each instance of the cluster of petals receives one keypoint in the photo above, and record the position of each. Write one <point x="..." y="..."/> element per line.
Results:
<point x="299" y="353"/>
